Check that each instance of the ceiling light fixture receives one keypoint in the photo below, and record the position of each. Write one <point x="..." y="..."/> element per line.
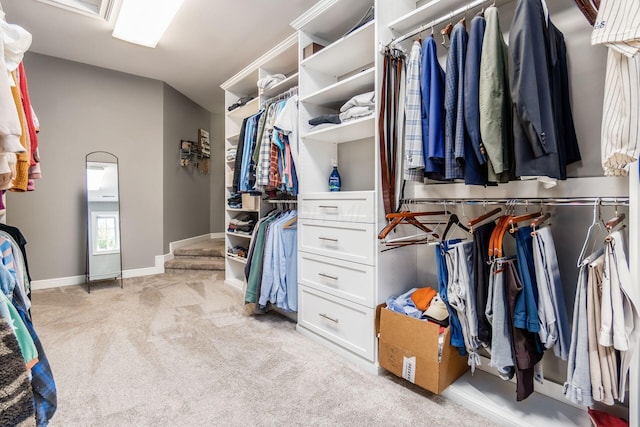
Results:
<point x="144" y="21"/>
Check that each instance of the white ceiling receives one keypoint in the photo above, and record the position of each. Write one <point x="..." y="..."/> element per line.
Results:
<point x="208" y="42"/>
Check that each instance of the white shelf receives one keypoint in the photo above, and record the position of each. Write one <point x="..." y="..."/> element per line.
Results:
<point x="236" y="258"/>
<point x="344" y="89"/>
<point x="242" y="210"/>
<point x="230" y="162"/>
<point x="234" y="137"/>
<point x="352" y="130"/>
<point x="244" y="236"/>
<point x="283" y="86"/>
<point x="330" y="19"/>
<point x="430" y="11"/>
<point x="346" y="54"/>
<point x="246" y="110"/>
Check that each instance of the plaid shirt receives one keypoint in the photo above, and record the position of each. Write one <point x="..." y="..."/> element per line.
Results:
<point x="42" y="382"/>
<point x="454" y="104"/>
<point x="264" y="159"/>
<point x="413" y="150"/>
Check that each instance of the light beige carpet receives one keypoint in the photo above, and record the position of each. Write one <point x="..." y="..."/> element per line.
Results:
<point x="180" y="349"/>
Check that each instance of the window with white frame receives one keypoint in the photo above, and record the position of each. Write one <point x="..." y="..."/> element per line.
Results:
<point x="105" y="233"/>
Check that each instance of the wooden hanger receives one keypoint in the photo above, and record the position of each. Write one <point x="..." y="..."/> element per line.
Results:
<point x="536" y="223"/>
<point x="407" y="217"/>
<point x="588" y="10"/>
<point x="495" y="242"/>
<point x="613" y="222"/>
<point x="446" y="33"/>
<point x="292" y="223"/>
<point x="520" y="218"/>
<point x="482" y="218"/>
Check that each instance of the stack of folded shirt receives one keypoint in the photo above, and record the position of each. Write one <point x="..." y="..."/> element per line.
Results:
<point x="231" y="154"/>
<point x="358" y="106"/>
<point x="235" y="201"/>
<point x="243" y="223"/>
<point x="269" y="81"/>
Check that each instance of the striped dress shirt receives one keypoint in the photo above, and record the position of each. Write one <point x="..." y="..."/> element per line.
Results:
<point x="618" y="27"/>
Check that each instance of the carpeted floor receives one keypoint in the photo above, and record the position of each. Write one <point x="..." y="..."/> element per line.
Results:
<point x="180" y="349"/>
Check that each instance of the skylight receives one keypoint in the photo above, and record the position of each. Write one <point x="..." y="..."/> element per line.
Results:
<point x="96" y="8"/>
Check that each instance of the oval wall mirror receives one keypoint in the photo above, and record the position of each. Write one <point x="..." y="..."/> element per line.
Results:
<point x="104" y="254"/>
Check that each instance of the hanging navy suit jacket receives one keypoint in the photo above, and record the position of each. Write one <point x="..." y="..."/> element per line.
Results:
<point x="544" y="136"/>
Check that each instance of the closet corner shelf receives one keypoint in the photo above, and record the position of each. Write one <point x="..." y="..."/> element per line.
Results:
<point x="346" y="54"/>
<point x="344" y="89"/>
<point x="431" y="10"/>
<point x="235" y="234"/>
<point x="283" y="86"/>
<point x="242" y="210"/>
<point x="236" y="258"/>
<point x="246" y="110"/>
<point x="350" y="131"/>
<point x="233" y="138"/>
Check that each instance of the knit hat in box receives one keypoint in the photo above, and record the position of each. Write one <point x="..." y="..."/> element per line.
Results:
<point x="422" y="298"/>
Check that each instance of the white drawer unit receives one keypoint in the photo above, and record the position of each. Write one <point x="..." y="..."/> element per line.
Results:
<point x="354" y="206"/>
<point x="348" y="241"/>
<point x="349" y="325"/>
<point x="348" y="280"/>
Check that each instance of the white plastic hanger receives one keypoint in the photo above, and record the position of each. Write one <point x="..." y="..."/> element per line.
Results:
<point x="595" y="224"/>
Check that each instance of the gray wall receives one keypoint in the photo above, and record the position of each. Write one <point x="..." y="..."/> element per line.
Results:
<point x="218" y="201"/>
<point x="187" y="191"/>
<point x="82" y="108"/>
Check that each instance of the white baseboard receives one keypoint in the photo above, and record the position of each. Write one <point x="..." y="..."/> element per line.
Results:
<point x="158" y="268"/>
<point x="58" y="282"/>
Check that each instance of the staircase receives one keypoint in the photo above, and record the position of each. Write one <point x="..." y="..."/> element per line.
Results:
<point x="206" y="255"/>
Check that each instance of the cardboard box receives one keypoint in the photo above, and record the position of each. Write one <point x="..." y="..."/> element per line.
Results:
<point x="408" y="348"/>
<point x="310" y="49"/>
<point x="250" y="201"/>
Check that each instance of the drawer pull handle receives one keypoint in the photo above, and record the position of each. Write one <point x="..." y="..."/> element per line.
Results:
<point x="327" y="207"/>
<point x="327" y="276"/>
<point x="329" y="318"/>
<point x="329" y="239"/>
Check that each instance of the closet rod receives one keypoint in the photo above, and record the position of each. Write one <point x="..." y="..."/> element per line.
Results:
<point x="284" y="95"/>
<point x="283" y="201"/>
<point x="442" y="19"/>
<point x="551" y="201"/>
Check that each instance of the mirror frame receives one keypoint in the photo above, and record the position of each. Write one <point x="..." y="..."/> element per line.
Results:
<point x="117" y="275"/>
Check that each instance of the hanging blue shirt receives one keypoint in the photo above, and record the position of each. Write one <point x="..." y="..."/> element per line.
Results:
<point x="249" y="144"/>
<point x="457" y="339"/>
<point x="432" y="89"/>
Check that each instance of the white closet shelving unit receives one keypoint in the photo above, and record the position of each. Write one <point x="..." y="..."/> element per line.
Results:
<point x="282" y="59"/>
<point x="341" y="272"/>
<point x="484" y="392"/>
